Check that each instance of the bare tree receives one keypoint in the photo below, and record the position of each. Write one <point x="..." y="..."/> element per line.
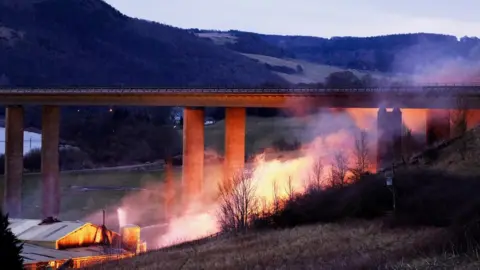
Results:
<point x="290" y="191"/>
<point x="275" y="197"/>
<point x="238" y="203"/>
<point x="362" y="154"/>
<point x="339" y="170"/>
<point x="316" y="176"/>
<point x="407" y="144"/>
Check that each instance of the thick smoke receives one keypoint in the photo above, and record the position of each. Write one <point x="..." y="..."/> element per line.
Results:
<point x="327" y="133"/>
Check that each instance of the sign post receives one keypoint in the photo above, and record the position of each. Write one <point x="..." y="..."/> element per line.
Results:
<point x="389" y="177"/>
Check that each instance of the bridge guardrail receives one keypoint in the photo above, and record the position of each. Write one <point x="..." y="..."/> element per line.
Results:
<point x="465" y="88"/>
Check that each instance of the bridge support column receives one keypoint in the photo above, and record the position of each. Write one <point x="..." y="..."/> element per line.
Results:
<point x="389" y="145"/>
<point x="50" y="161"/>
<point x="193" y="151"/>
<point x="438" y="125"/>
<point x="13" y="161"/>
<point x="473" y="118"/>
<point x="235" y="121"/>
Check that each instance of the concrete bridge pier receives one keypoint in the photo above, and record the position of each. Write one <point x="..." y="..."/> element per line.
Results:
<point x="235" y="121"/>
<point x="389" y="144"/>
<point x="50" y="161"/>
<point x="193" y="151"/>
<point x="437" y="126"/>
<point x="473" y="118"/>
<point x="13" y="161"/>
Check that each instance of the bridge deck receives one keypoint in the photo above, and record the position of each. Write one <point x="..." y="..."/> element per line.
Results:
<point x="430" y="96"/>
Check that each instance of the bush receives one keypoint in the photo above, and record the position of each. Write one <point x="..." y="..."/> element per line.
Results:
<point x="10" y="246"/>
<point x="32" y="161"/>
<point x="424" y="198"/>
<point x="74" y="159"/>
<point x="367" y="198"/>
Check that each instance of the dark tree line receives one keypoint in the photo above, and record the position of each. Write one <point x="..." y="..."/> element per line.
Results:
<point x="10" y="247"/>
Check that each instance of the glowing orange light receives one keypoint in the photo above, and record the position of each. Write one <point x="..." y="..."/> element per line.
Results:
<point x="122" y="217"/>
<point x="273" y="178"/>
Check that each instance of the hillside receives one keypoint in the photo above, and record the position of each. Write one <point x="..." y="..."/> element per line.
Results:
<point x="460" y="155"/>
<point x="89" y="43"/>
<point x="347" y="246"/>
<point x="434" y="226"/>
<point x="405" y="53"/>
<point x="300" y="71"/>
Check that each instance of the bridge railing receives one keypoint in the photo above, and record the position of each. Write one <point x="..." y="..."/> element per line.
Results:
<point x="463" y="88"/>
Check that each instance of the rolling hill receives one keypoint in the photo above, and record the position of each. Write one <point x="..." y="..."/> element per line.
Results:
<point x="89" y="43"/>
<point x="389" y="53"/>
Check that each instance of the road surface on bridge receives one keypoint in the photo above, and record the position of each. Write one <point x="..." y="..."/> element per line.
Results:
<point x="415" y="96"/>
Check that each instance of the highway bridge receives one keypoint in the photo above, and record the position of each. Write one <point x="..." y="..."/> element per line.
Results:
<point x="435" y="97"/>
<point x="415" y="96"/>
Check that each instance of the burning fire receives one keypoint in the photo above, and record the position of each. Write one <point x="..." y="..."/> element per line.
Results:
<point x="275" y="177"/>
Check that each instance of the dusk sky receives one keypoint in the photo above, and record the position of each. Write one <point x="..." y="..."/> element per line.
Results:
<point x="323" y="18"/>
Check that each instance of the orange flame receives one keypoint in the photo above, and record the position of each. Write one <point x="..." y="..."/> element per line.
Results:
<point x="272" y="177"/>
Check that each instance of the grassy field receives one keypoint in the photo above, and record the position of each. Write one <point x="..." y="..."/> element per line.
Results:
<point x="353" y="245"/>
<point x="460" y="155"/>
<point x="75" y="203"/>
<point x="312" y="72"/>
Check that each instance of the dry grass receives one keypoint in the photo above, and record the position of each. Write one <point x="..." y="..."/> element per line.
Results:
<point x="447" y="156"/>
<point x="443" y="261"/>
<point x="354" y="245"/>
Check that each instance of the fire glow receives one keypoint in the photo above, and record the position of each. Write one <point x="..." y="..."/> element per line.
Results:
<point x="274" y="178"/>
<point x="122" y="217"/>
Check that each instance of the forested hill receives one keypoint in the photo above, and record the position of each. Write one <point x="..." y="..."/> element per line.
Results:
<point x="89" y="43"/>
<point x="389" y="53"/>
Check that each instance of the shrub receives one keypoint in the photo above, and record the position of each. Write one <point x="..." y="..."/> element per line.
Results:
<point x="10" y="246"/>
<point x="74" y="159"/>
<point x="32" y="161"/>
<point x="69" y="159"/>
<point x="424" y="198"/>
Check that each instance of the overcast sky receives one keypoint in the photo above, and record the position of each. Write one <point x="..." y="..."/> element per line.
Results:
<point x="323" y="18"/>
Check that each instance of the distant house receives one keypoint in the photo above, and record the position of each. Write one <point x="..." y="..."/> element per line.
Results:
<point x="52" y="244"/>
